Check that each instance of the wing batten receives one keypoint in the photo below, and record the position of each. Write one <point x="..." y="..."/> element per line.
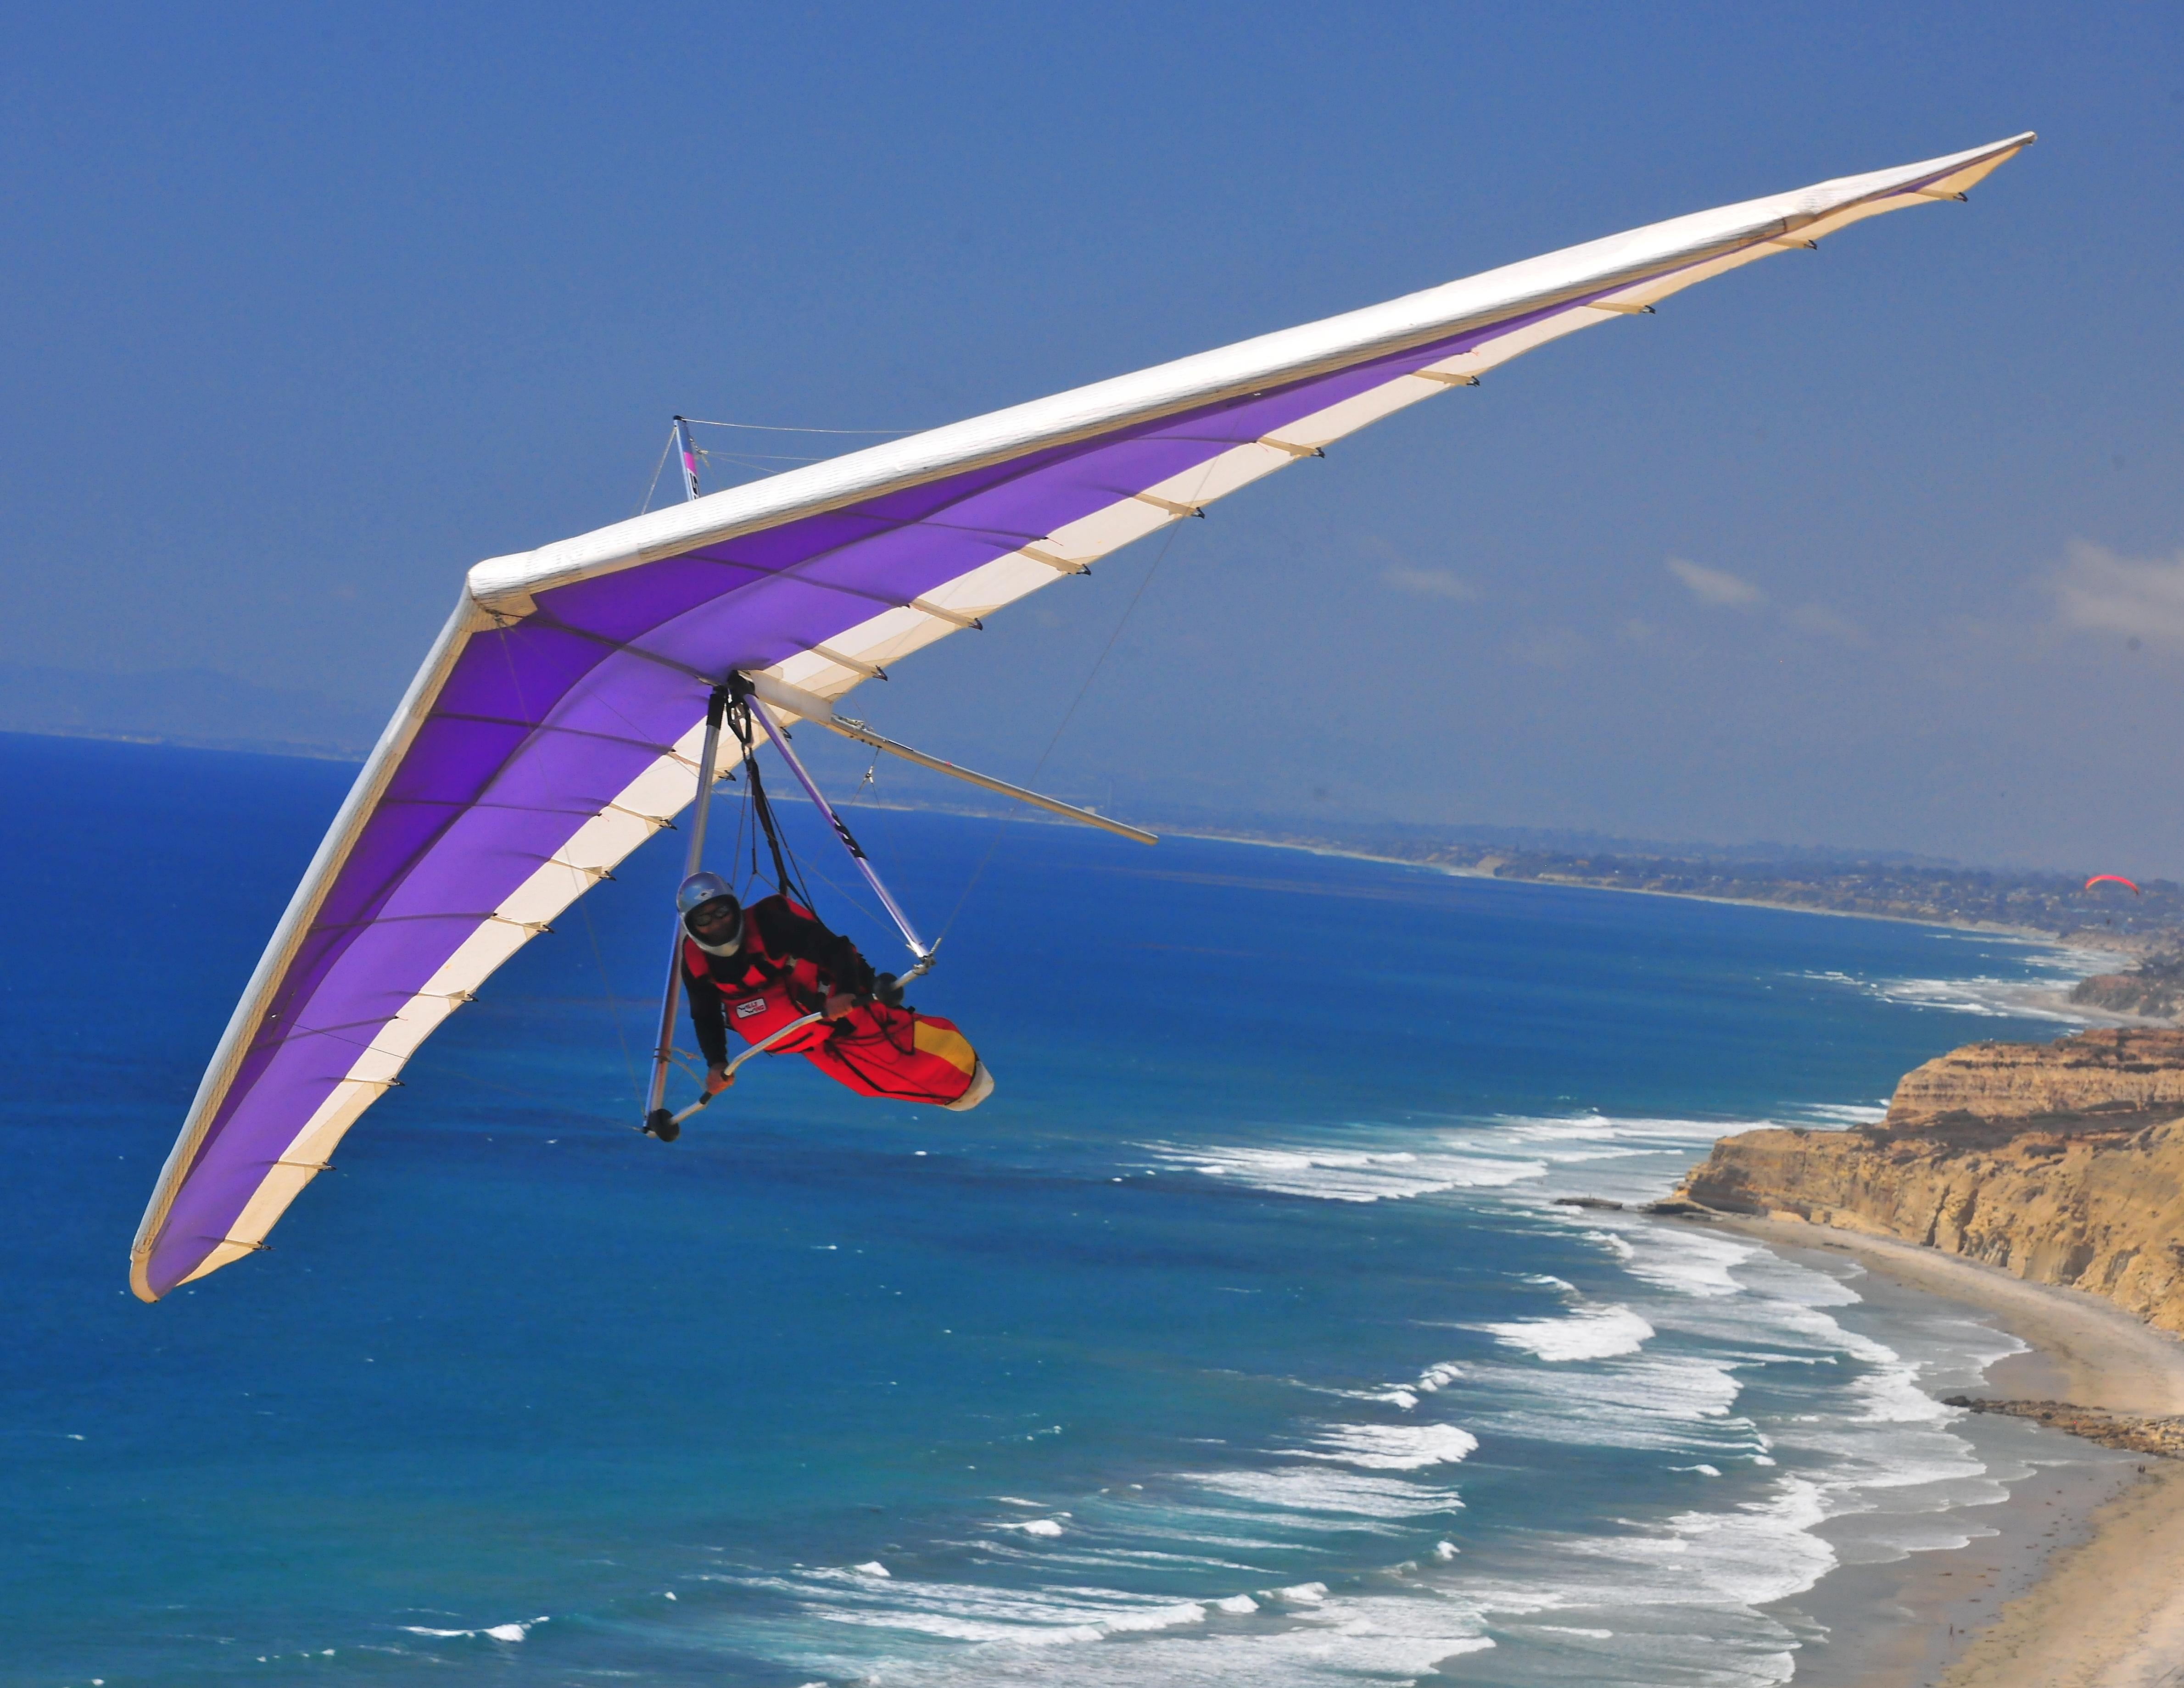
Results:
<point x="556" y="725"/>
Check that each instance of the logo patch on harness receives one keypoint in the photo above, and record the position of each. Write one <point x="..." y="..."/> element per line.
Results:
<point x="745" y="1010"/>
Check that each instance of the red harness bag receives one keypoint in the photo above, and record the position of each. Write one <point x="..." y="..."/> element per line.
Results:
<point x="900" y="1053"/>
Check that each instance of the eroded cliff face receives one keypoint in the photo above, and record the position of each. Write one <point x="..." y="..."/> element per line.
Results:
<point x="2094" y="1073"/>
<point x="2062" y="1162"/>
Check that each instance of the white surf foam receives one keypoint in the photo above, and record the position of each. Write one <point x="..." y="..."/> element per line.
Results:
<point x="1302" y="1633"/>
<point x="495" y="1632"/>
<point x="1322" y="1497"/>
<point x="1686" y="1261"/>
<point x="1349" y="1174"/>
<point x="1630" y="1159"/>
<point x="1986" y="998"/>
<point x="1669" y="1403"/>
<point x="1843" y="1114"/>
<point x="1583" y="1334"/>
<point x="1391" y="1447"/>
<point x="1758" y="1552"/>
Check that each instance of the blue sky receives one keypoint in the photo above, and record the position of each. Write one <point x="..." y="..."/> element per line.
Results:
<point x="309" y="308"/>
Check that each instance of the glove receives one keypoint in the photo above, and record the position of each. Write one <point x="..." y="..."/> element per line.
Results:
<point x="888" y="990"/>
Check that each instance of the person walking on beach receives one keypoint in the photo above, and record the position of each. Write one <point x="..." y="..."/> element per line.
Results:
<point x="762" y="967"/>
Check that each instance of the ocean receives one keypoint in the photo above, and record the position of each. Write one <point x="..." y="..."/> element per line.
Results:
<point x="1238" y="1338"/>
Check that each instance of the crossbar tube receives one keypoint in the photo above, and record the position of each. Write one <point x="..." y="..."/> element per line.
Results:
<point x="811" y="707"/>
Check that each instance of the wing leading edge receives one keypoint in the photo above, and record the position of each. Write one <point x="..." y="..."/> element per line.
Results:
<point x="557" y="723"/>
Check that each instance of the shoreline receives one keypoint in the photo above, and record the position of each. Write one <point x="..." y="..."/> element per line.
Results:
<point x="2031" y="934"/>
<point x="2082" y="1581"/>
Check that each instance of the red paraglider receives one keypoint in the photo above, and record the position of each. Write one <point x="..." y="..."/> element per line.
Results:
<point x="2113" y="879"/>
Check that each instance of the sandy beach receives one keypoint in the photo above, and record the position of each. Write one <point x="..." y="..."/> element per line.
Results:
<point x="2082" y="1583"/>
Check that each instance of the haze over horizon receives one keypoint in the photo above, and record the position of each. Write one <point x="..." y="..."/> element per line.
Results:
<point x="1876" y="548"/>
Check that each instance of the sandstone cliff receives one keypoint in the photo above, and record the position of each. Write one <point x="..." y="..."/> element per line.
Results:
<point x="2093" y="1074"/>
<point x="2062" y="1162"/>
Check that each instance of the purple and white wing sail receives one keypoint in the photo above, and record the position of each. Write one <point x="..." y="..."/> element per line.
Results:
<point x="556" y="725"/>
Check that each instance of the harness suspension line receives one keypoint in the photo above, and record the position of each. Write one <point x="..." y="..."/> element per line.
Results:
<point x="783" y="880"/>
<point x="918" y="947"/>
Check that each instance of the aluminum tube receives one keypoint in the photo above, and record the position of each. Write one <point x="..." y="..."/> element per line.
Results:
<point x="918" y="945"/>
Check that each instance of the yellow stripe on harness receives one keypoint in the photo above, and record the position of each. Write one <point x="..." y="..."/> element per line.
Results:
<point x="950" y="1044"/>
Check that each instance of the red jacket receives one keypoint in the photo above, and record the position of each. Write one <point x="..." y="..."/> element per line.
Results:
<point x="788" y="964"/>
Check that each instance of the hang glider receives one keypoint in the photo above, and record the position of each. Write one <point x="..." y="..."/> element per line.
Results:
<point x="558" y="721"/>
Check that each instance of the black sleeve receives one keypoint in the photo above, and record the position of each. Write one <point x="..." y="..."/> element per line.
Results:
<point x="708" y="1018"/>
<point x="790" y="933"/>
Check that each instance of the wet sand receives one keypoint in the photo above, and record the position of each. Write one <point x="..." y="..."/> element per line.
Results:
<point x="2082" y="1583"/>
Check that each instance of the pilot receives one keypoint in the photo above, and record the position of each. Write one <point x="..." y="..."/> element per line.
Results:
<point x="761" y="967"/>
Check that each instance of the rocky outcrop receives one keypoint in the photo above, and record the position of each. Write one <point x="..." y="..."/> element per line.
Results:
<point x="2153" y="991"/>
<point x="2135" y="1433"/>
<point x="2062" y="1162"/>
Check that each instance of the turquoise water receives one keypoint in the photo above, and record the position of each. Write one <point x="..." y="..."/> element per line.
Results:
<point x="1237" y="1339"/>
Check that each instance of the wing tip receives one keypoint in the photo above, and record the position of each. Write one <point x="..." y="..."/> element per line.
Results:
<point x="2002" y="152"/>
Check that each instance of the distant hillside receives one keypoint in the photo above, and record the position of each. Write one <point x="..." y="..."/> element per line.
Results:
<point x="183" y="706"/>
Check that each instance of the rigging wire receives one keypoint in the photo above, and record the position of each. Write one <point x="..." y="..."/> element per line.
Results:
<point x="654" y="485"/>
<point x="606" y="986"/>
<point x="774" y="428"/>
<point x="854" y="899"/>
<point x="1001" y="828"/>
<point x="745" y="456"/>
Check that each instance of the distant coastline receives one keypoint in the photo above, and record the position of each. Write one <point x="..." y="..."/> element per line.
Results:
<point x="191" y="709"/>
<point x="302" y="750"/>
<point x="2032" y="933"/>
<point x="2034" y="906"/>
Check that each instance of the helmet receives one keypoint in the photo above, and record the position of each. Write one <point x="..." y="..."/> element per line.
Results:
<point x="699" y="889"/>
